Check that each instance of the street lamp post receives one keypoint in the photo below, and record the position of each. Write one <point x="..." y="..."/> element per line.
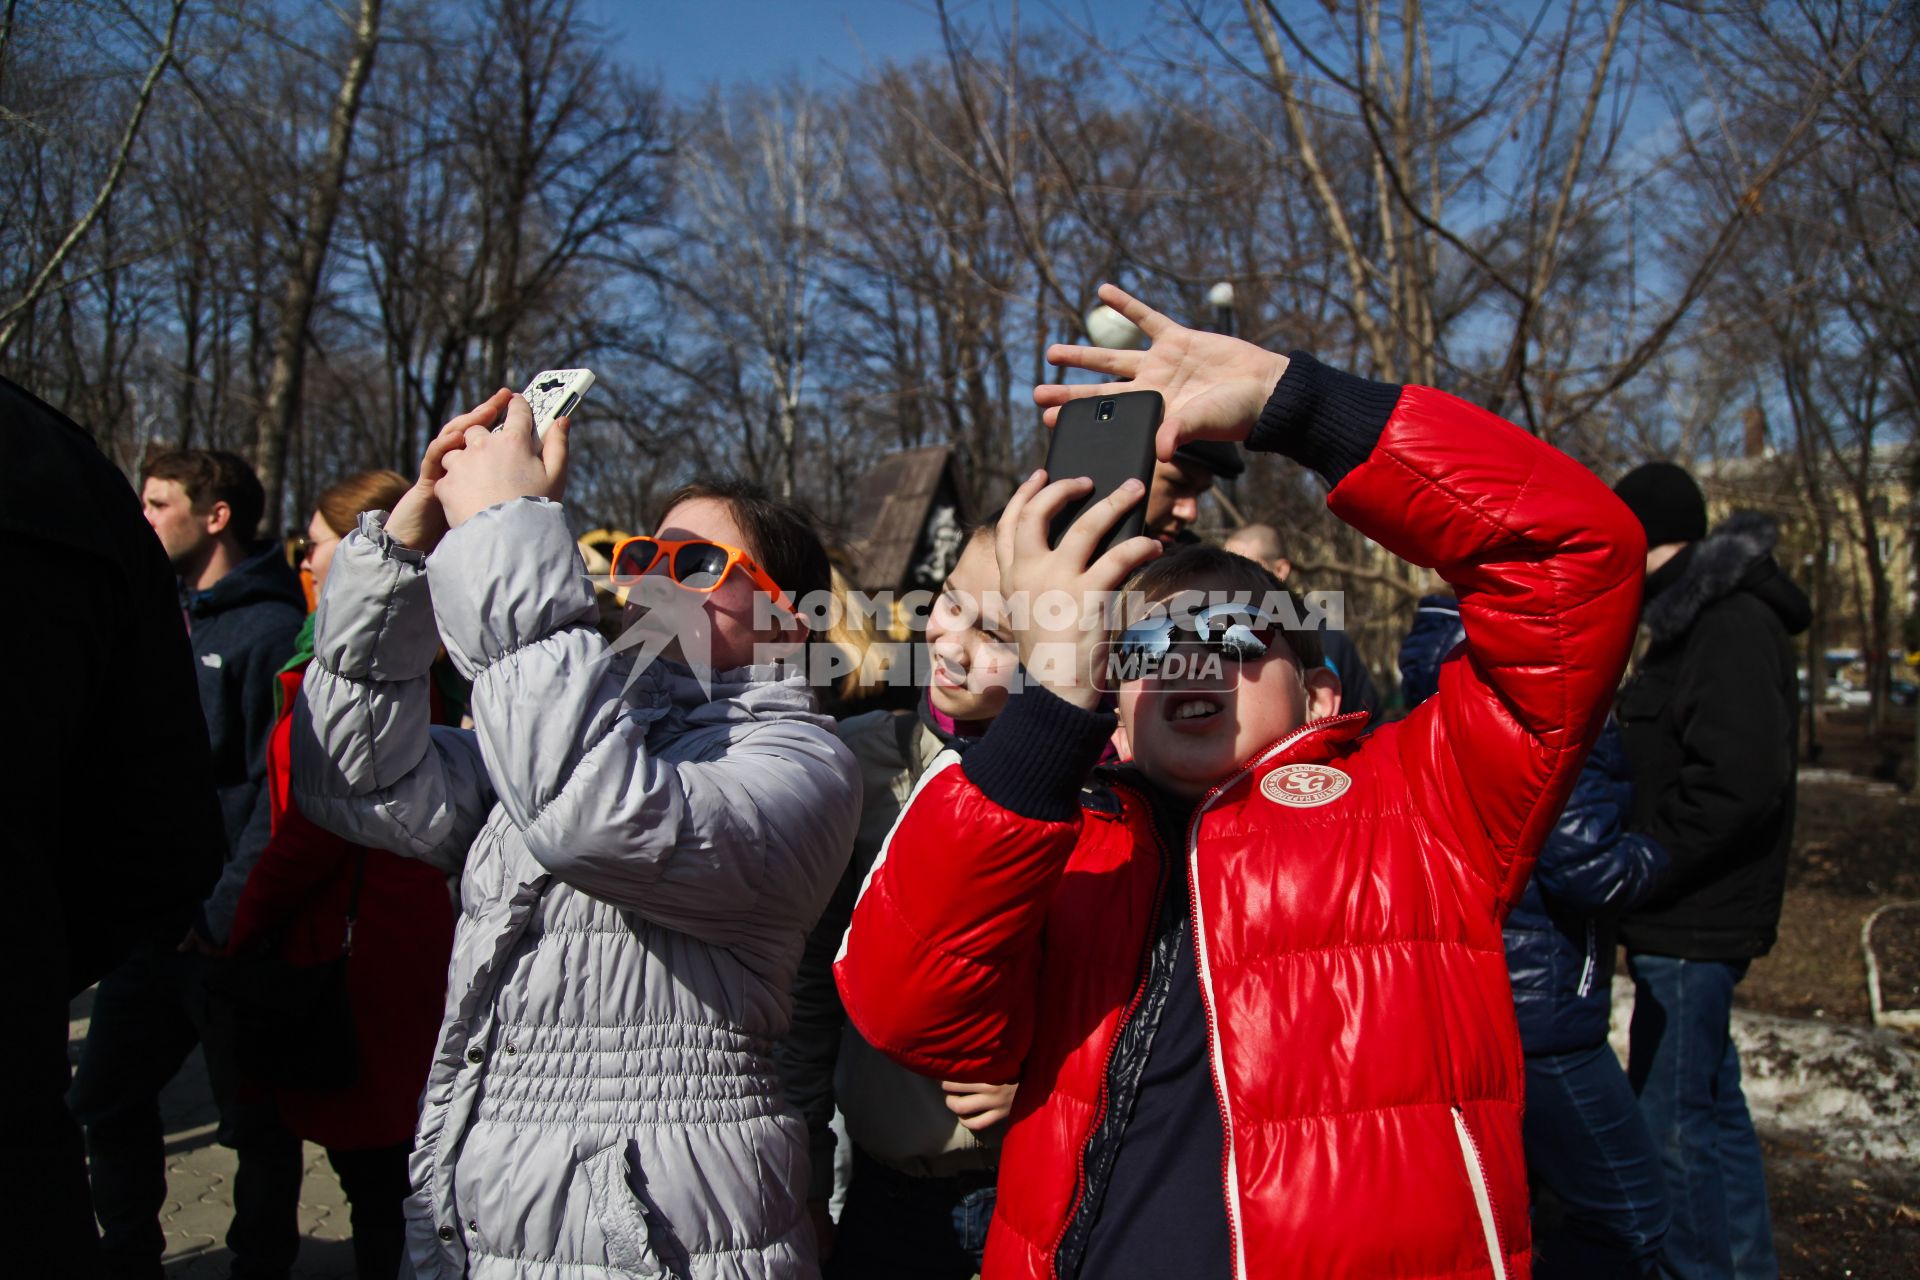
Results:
<point x="1220" y="298"/>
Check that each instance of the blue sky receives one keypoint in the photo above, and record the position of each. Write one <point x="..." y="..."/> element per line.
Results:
<point x="693" y="43"/>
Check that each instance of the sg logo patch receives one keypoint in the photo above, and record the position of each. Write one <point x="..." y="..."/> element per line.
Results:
<point x="1304" y="786"/>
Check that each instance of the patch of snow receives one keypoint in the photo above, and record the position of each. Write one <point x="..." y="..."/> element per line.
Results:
<point x="1854" y="1091"/>
<point x="1852" y="781"/>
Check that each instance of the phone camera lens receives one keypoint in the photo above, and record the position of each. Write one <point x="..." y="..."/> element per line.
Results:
<point x="1106" y="410"/>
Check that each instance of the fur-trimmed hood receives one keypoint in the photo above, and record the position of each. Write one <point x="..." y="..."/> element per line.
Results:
<point x="1737" y="556"/>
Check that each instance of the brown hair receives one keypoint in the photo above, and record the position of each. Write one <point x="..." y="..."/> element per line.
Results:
<point x="209" y="476"/>
<point x="1210" y="568"/>
<point x="785" y="536"/>
<point x="341" y="503"/>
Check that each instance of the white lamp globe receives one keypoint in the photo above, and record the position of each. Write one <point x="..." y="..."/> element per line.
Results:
<point x="1108" y="328"/>
<point x="1221" y="295"/>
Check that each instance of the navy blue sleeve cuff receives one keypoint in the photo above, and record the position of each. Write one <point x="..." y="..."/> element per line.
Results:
<point x="1323" y="418"/>
<point x="1038" y="753"/>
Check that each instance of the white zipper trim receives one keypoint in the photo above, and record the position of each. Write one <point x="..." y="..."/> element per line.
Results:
<point x="1477" y="1175"/>
<point x="1216" y="1057"/>
<point x="1586" y="970"/>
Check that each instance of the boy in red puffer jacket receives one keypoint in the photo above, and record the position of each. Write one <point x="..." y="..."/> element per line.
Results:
<point x="1253" y="984"/>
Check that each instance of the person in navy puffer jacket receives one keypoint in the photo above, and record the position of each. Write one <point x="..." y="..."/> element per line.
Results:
<point x="1599" y="1199"/>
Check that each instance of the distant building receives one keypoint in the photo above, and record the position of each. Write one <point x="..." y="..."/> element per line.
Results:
<point x="1837" y="576"/>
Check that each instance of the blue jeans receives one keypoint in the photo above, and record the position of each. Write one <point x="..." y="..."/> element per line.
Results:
<point x="1684" y="1067"/>
<point x="1600" y="1208"/>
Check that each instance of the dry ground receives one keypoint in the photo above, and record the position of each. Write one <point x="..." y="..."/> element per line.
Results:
<point x="1856" y="848"/>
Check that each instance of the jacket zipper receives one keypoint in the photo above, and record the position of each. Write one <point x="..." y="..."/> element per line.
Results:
<point x="1113" y="1045"/>
<point x="1586" y="970"/>
<point x="1482" y="1199"/>
<point x="1229" y="1171"/>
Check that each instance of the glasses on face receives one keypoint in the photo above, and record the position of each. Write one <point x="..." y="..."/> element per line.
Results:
<point x="1237" y="632"/>
<point x="694" y="563"/>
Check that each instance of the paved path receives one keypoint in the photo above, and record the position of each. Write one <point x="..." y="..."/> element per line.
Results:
<point x="199" y="1181"/>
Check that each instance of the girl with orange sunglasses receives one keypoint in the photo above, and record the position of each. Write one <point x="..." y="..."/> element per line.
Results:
<point x="641" y="853"/>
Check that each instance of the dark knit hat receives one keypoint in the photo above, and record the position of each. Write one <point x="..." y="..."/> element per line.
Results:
<point x="1220" y="457"/>
<point x="1669" y="504"/>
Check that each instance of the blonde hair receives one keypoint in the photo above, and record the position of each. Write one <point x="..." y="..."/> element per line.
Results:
<point x="854" y="634"/>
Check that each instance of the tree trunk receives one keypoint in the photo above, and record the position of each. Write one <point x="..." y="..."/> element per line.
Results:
<point x="281" y="406"/>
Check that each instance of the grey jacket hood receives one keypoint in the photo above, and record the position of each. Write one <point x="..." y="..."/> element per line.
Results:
<point x="1736" y="556"/>
<point x="639" y="857"/>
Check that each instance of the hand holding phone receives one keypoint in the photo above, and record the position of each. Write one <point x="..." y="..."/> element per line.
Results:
<point x="495" y="466"/>
<point x="1057" y="642"/>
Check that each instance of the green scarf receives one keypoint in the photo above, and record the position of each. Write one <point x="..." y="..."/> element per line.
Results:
<point x="302" y="655"/>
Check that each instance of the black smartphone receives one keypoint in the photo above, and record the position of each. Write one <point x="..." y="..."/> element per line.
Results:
<point x="1108" y="438"/>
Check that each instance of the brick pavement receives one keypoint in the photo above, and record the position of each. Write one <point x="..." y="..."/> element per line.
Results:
<point x="199" y="1181"/>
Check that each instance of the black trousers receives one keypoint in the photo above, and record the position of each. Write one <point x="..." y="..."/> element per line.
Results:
<point x="44" y="1207"/>
<point x="376" y="1184"/>
<point x="896" y="1227"/>
<point x="147" y="1016"/>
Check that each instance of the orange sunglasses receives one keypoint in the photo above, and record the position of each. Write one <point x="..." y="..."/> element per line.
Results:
<point x="694" y="563"/>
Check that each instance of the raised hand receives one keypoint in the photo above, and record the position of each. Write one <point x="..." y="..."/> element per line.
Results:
<point x="418" y="520"/>
<point x="1054" y="595"/>
<point x="1214" y="386"/>
<point x="492" y="467"/>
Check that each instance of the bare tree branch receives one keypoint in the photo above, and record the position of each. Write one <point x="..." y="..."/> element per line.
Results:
<point x="11" y="317"/>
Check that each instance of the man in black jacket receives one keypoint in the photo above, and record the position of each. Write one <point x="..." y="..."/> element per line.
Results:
<point x="243" y="609"/>
<point x="1710" y="725"/>
<point x="100" y="710"/>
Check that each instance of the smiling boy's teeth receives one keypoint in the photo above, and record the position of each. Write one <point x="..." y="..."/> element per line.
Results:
<point x="1193" y="710"/>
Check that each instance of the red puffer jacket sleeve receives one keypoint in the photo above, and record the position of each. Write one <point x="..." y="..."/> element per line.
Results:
<point x="1548" y="566"/>
<point x="940" y="968"/>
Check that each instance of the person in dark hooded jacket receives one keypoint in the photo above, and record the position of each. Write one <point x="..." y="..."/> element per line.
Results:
<point x="1709" y="719"/>
<point x="100" y="703"/>
<point x="1600" y="1203"/>
<point x="243" y="608"/>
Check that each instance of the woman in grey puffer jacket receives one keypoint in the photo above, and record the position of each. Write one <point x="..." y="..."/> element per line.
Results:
<point x="640" y="856"/>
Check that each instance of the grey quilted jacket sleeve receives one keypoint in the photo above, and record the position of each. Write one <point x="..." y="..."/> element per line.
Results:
<point x="368" y="764"/>
<point x="715" y="848"/>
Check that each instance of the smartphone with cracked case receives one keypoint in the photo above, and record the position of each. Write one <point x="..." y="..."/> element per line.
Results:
<point x="1108" y="438"/>
<point x="555" y="393"/>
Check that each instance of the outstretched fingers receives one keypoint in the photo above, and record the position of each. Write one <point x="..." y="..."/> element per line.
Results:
<point x="1108" y="360"/>
<point x="1058" y="393"/>
<point x="1052" y="395"/>
<point x="1151" y="322"/>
